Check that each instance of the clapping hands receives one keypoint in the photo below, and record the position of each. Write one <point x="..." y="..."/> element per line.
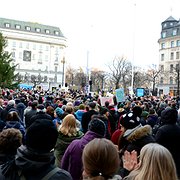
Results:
<point x="130" y="161"/>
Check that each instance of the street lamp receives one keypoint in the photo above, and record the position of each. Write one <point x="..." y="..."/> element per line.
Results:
<point x="63" y="62"/>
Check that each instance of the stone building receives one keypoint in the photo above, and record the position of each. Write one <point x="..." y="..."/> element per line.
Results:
<point x="169" y="60"/>
<point x="38" y="50"/>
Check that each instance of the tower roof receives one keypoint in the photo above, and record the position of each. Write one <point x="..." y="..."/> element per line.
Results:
<point x="170" y="18"/>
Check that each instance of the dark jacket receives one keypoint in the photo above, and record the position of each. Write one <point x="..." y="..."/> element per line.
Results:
<point x="86" y="118"/>
<point x="152" y="120"/>
<point x="168" y="135"/>
<point x="28" y="116"/>
<point x="32" y="165"/>
<point x="135" y="141"/>
<point x="71" y="160"/>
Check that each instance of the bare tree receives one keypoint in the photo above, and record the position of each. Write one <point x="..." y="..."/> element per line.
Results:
<point x="120" y="72"/>
<point x="98" y="78"/>
<point x="152" y="75"/>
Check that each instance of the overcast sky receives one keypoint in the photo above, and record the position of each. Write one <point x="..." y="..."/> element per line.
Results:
<point x="105" y="28"/>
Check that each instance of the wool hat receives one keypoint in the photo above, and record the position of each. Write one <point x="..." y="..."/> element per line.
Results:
<point x="92" y="105"/>
<point x="169" y="116"/>
<point x="59" y="111"/>
<point x="137" y="110"/>
<point x="130" y="121"/>
<point x="98" y="126"/>
<point x="41" y="136"/>
<point x="11" y="102"/>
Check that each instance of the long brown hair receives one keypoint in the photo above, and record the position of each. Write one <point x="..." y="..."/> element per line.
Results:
<point x="100" y="159"/>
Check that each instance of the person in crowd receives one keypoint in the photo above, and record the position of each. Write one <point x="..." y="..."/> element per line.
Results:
<point x="20" y="109"/>
<point x="100" y="160"/>
<point x="155" y="163"/>
<point x="50" y="111"/>
<point x="13" y="121"/>
<point x="35" y="160"/>
<point x="79" y="113"/>
<point x="152" y="118"/>
<point x="71" y="160"/>
<point x="86" y="117"/>
<point x="1" y="106"/>
<point x="10" y="107"/>
<point x="67" y="133"/>
<point x="40" y="114"/>
<point x="31" y="113"/>
<point x="10" y="140"/>
<point x="28" y="108"/>
<point x="58" y="116"/>
<point x="134" y="136"/>
<point x="168" y="134"/>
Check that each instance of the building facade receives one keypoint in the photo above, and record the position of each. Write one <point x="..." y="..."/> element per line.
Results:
<point x="38" y="50"/>
<point x="169" y="60"/>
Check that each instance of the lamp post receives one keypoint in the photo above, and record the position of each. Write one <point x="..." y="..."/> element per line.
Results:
<point x="63" y="62"/>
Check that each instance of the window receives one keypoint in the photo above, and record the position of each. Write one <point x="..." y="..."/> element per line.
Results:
<point x="162" y="68"/>
<point x="13" y="54"/>
<point x="40" y="58"/>
<point x="17" y="26"/>
<point x="171" y="80"/>
<point x="162" y="57"/>
<point x="177" y="55"/>
<point x="46" y="57"/>
<point x="165" y="25"/>
<point x="38" y="30"/>
<point x="161" y="80"/>
<point x="27" y="45"/>
<point x="47" y="31"/>
<point x="171" y="68"/>
<point x="20" y="55"/>
<point x="172" y="43"/>
<point x="47" y="48"/>
<point x="162" y="45"/>
<point x="171" y="24"/>
<point x="163" y="34"/>
<point x="172" y="56"/>
<point x="14" y="44"/>
<point x="174" y="33"/>
<point x="34" y="46"/>
<point x="178" y="43"/>
<point x="56" y="32"/>
<point x="28" y="28"/>
<point x="20" y="45"/>
<point x="7" y="25"/>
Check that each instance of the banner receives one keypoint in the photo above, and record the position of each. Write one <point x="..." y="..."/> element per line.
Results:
<point x="140" y="92"/>
<point x="120" y="95"/>
<point x="104" y="99"/>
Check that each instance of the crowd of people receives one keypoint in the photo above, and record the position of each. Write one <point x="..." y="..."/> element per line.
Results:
<point x="71" y="135"/>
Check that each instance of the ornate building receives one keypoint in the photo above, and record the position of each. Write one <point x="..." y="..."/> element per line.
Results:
<point x="38" y="50"/>
<point x="169" y="60"/>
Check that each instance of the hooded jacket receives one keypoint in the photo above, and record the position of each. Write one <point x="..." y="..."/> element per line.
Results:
<point x="32" y="165"/>
<point x="135" y="141"/>
<point x="71" y="160"/>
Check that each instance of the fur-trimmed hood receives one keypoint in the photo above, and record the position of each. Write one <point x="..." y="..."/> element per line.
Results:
<point x="139" y="133"/>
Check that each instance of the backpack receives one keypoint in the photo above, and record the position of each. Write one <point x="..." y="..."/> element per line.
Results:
<point x="46" y="177"/>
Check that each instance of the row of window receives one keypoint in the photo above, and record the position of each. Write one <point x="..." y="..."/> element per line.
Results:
<point x="27" y="56"/>
<point x="28" y="28"/>
<point x="33" y="46"/>
<point x="170" y="80"/>
<point x="174" y="33"/>
<point x="163" y="45"/>
<point x="172" y="68"/>
<point x="171" y="56"/>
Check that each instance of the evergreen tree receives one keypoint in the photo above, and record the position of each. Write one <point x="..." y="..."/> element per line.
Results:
<point x="7" y="70"/>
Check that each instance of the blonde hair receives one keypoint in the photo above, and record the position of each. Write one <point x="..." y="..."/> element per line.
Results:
<point x="68" y="126"/>
<point x="156" y="163"/>
<point x="100" y="159"/>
